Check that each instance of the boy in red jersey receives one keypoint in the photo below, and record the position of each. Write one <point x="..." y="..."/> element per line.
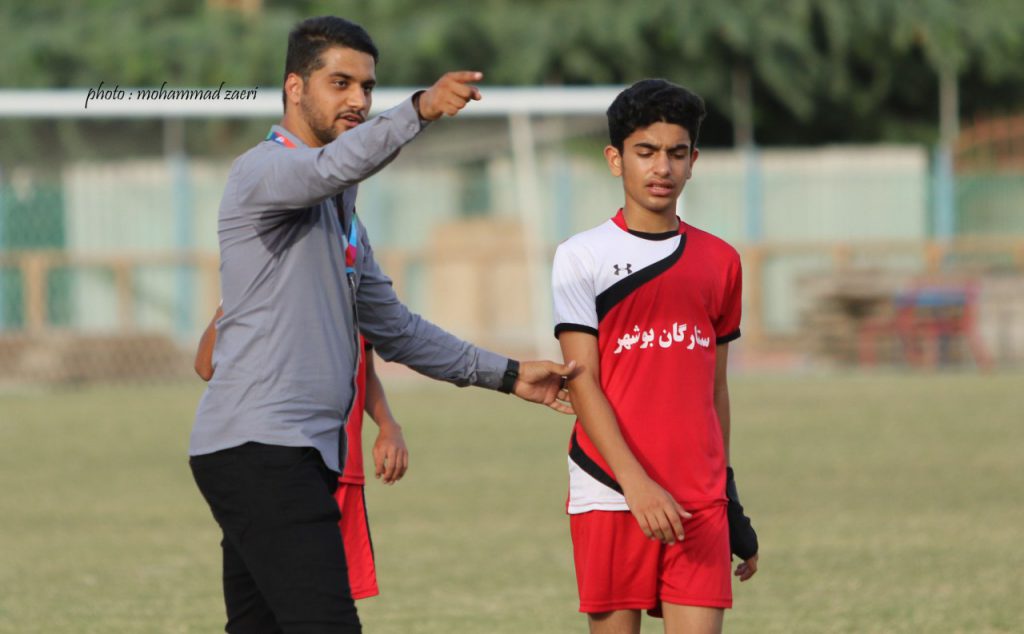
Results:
<point x="647" y="306"/>
<point x="390" y="458"/>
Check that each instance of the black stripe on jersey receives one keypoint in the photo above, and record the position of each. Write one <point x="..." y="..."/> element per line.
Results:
<point x="663" y="235"/>
<point x="566" y="327"/>
<point x="732" y="336"/>
<point x="590" y="467"/>
<point x="619" y="291"/>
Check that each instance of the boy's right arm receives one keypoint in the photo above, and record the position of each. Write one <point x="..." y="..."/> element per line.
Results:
<point x="204" y="353"/>
<point x="390" y="454"/>
<point x="657" y="512"/>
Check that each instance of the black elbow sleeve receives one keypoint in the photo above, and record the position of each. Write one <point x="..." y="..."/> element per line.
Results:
<point x="742" y="538"/>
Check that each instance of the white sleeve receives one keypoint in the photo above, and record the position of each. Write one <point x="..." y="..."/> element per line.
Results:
<point x="575" y="299"/>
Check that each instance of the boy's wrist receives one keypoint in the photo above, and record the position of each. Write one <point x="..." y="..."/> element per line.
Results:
<point x="630" y="477"/>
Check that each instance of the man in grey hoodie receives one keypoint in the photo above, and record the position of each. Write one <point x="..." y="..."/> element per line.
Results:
<point x="299" y="283"/>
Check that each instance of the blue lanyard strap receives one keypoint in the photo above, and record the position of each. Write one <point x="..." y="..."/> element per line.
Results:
<point x="352" y="249"/>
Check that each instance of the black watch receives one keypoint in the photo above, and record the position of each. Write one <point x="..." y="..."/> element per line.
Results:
<point x="508" y="380"/>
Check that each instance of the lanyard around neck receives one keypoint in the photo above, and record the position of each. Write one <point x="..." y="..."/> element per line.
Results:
<point x="280" y="139"/>
<point x="352" y="248"/>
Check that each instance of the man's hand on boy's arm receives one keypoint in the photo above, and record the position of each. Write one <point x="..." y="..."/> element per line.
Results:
<point x="204" y="353"/>
<point x="542" y="382"/>
<point x="656" y="511"/>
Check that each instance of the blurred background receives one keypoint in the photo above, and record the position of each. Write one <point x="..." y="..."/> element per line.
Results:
<point x="867" y="160"/>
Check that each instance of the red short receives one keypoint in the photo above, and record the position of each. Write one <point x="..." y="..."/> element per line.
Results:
<point x="619" y="568"/>
<point x="355" y="535"/>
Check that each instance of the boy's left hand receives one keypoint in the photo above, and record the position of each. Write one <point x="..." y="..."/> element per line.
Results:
<point x="747" y="569"/>
<point x="390" y="455"/>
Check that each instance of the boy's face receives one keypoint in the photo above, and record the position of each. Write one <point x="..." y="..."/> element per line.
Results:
<point x="655" y="163"/>
<point x="338" y="95"/>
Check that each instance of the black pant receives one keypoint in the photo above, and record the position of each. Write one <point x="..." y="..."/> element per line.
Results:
<point x="284" y="564"/>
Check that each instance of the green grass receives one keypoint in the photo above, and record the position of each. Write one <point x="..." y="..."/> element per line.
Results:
<point x="883" y="503"/>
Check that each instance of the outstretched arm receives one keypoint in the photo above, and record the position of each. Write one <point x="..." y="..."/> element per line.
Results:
<point x="657" y="512"/>
<point x="204" y="353"/>
<point x="390" y="455"/>
<point x="399" y="335"/>
<point x="297" y="178"/>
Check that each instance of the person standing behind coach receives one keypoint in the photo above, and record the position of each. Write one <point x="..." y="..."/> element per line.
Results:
<point x="299" y="281"/>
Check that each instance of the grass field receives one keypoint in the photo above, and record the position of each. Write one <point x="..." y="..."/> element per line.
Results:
<point x="884" y="504"/>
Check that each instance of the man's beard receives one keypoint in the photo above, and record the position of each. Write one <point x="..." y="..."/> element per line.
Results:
<point x="323" y="134"/>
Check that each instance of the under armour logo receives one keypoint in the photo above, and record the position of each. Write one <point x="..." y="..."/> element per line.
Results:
<point x="618" y="269"/>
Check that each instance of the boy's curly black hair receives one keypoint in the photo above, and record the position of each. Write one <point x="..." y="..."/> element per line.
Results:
<point x="652" y="100"/>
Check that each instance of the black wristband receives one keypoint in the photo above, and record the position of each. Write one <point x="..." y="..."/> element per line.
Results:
<point x="508" y="380"/>
<point x="416" y="105"/>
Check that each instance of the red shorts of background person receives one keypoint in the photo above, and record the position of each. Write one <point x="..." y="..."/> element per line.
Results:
<point x="355" y="536"/>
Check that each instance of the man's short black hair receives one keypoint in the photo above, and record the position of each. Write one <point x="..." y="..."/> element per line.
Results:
<point x="652" y="100"/>
<point x="313" y="36"/>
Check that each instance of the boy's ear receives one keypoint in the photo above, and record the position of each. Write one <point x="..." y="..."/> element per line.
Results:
<point x="614" y="158"/>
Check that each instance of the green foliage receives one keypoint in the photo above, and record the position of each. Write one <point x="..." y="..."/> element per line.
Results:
<point x="135" y="44"/>
<point x="823" y="70"/>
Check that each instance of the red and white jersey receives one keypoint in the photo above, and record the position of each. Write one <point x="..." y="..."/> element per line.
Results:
<point x="658" y="305"/>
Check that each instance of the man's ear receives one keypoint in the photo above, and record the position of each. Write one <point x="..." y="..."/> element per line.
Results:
<point x="614" y="158"/>
<point x="293" y="86"/>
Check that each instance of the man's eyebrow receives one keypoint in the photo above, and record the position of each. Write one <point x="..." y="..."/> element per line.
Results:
<point x="340" y="75"/>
